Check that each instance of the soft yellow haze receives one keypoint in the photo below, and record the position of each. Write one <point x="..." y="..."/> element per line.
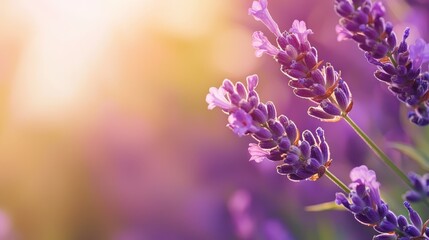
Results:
<point x="74" y="73"/>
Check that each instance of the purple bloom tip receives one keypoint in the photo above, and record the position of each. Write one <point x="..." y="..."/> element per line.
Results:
<point x="300" y="29"/>
<point x="263" y="45"/>
<point x="260" y="12"/>
<point x="252" y="82"/>
<point x="217" y="98"/>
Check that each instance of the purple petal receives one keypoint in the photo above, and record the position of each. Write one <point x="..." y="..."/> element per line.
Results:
<point x="257" y="154"/>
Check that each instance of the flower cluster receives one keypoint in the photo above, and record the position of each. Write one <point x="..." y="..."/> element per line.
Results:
<point x="277" y="136"/>
<point x="365" y="203"/>
<point x="420" y="187"/>
<point x="299" y="61"/>
<point x="307" y="156"/>
<point x="399" y="65"/>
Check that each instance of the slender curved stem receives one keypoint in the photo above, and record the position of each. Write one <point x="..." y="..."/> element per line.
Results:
<point x="378" y="151"/>
<point x="337" y="181"/>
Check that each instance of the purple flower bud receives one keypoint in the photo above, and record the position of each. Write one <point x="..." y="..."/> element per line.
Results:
<point x="263" y="108"/>
<point x="241" y="90"/>
<point x="275" y="155"/>
<point x="349" y="25"/>
<point x="228" y="86"/>
<point x="271" y="110"/>
<point x="292" y="131"/>
<point x="369" y="32"/>
<point x="361" y="18"/>
<point x="263" y="134"/>
<point x="359" y="38"/>
<point x="310" y="60"/>
<point x="317" y="76"/>
<point x="267" y="144"/>
<point x="391" y="40"/>
<point x="318" y="89"/>
<point x="402" y="222"/>
<point x="309" y="137"/>
<point x="389" y="68"/>
<point x="293" y="73"/>
<point x="282" y="42"/>
<point x="259" y="116"/>
<point x="412" y="231"/>
<point x="391" y="217"/>
<point x="305" y="149"/>
<point x="285" y="169"/>
<point x="330" y="75"/>
<point x="291" y="158"/>
<point x="283" y="58"/>
<point x="284" y="144"/>
<point x="313" y="166"/>
<point x="385" y="226"/>
<point x="380" y="51"/>
<point x="320" y="114"/>
<point x="379" y="25"/>
<point x="344" y="8"/>
<point x="341" y="98"/>
<point x="330" y="108"/>
<point x="382" y="76"/>
<point x="276" y="128"/>
<point x="317" y="154"/>
<point x="304" y="93"/>
<point x="385" y="236"/>
<point x="293" y="41"/>
<point x="414" y="216"/>
<point x="378" y="10"/>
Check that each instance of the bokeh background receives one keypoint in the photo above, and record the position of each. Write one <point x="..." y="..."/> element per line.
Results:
<point x="105" y="133"/>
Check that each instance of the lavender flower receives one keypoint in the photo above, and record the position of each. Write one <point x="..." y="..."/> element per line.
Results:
<point x="299" y="61"/>
<point x="399" y="65"/>
<point x="368" y="208"/>
<point x="277" y="136"/>
<point x="420" y="187"/>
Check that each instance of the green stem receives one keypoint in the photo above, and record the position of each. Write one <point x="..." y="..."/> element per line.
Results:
<point x="392" y="60"/>
<point x="378" y="151"/>
<point x="337" y="181"/>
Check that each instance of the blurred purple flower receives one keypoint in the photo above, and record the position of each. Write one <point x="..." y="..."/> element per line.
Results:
<point x="250" y="226"/>
<point x="420" y="187"/>
<point x="419" y="53"/>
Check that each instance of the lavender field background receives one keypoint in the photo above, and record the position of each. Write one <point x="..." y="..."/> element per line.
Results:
<point x="105" y="132"/>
